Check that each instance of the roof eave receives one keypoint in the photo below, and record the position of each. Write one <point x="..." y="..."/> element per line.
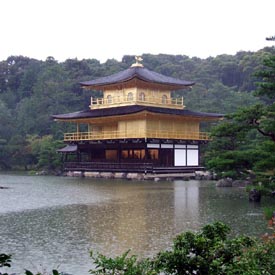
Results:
<point x="127" y="110"/>
<point x="102" y="86"/>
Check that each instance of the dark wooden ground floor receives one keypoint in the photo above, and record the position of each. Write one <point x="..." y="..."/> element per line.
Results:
<point x="136" y="155"/>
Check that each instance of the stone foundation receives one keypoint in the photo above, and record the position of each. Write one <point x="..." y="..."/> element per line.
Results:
<point x="141" y="176"/>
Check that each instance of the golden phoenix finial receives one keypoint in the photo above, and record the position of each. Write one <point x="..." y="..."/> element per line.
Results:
<point x="138" y="60"/>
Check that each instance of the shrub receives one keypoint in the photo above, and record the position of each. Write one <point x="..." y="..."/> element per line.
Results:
<point x="207" y="252"/>
<point x="202" y="253"/>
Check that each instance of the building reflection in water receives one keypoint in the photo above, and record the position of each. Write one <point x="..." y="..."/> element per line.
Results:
<point x="146" y="220"/>
<point x="187" y="207"/>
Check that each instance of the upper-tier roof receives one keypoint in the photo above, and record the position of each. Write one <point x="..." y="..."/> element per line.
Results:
<point x="139" y="73"/>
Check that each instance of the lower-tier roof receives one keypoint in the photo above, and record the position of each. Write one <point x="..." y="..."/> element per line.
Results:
<point x="132" y="109"/>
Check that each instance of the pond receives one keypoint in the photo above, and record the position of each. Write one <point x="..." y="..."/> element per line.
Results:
<point x="49" y="222"/>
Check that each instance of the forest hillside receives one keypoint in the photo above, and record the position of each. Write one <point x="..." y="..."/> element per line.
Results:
<point x="32" y="90"/>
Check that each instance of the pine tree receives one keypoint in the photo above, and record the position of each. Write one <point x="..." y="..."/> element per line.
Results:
<point x="253" y="134"/>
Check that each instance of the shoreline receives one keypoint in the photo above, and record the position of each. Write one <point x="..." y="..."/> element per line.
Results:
<point x="197" y="175"/>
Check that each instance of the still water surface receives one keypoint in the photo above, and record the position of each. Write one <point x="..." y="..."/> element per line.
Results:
<point x="53" y="222"/>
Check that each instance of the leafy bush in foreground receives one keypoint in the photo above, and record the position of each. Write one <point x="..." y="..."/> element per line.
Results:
<point x="5" y="261"/>
<point x="207" y="252"/>
<point x="211" y="252"/>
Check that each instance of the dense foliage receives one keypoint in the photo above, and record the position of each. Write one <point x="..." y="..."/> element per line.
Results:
<point x="244" y="144"/>
<point x="207" y="252"/>
<point x="32" y="90"/>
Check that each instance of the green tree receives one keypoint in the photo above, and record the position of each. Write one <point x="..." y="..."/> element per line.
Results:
<point x="7" y="128"/>
<point x="236" y="148"/>
<point x="45" y="151"/>
<point x="51" y="95"/>
<point x="121" y="265"/>
<point x="206" y="252"/>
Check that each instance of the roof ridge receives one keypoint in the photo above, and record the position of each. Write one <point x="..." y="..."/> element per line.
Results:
<point x="141" y="73"/>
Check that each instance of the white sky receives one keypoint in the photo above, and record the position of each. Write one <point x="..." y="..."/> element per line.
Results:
<point x="106" y="29"/>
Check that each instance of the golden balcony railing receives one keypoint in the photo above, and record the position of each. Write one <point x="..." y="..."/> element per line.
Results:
<point x="158" y="134"/>
<point x="114" y="101"/>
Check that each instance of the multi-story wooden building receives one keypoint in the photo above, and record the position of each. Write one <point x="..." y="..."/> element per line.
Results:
<point x="137" y="126"/>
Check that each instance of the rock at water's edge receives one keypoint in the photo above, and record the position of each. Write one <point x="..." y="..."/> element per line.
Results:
<point x="227" y="182"/>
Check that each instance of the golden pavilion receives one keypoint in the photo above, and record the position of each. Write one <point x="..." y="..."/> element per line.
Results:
<point x="136" y="126"/>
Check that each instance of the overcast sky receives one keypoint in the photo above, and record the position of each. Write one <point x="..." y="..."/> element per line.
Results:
<point x="106" y="29"/>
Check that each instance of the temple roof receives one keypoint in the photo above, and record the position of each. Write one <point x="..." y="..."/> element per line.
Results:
<point x="68" y="149"/>
<point x="140" y="73"/>
<point x="132" y="109"/>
